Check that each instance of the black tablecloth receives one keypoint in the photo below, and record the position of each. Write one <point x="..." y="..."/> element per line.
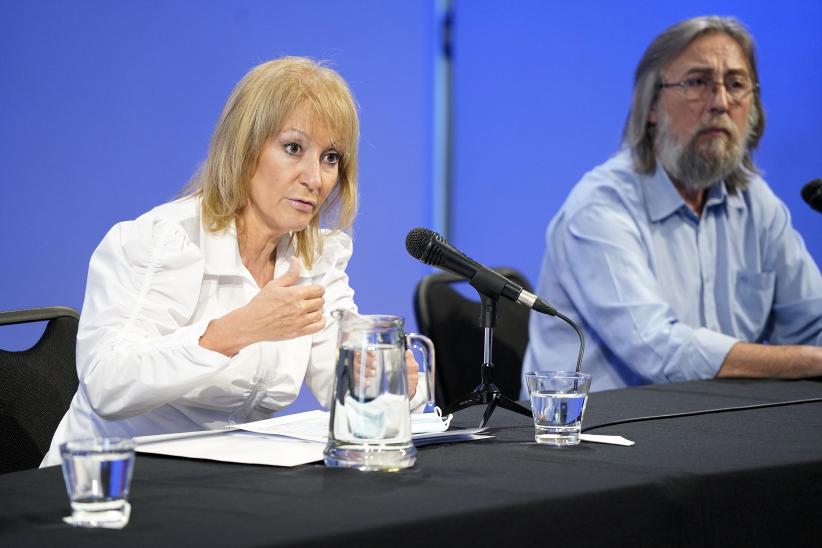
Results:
<point x="742" y="478"/>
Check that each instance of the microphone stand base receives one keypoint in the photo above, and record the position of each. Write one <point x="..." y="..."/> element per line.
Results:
<point x="489" y="394"/>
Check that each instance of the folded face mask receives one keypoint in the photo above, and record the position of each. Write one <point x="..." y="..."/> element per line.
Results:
<point x="425" y="423"/>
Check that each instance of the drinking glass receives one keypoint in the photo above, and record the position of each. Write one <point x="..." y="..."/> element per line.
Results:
<point x="558" y="401"/>
<point x="97" y="473"/>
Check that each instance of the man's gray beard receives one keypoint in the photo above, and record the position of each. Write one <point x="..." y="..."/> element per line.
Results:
<point x="698" y="167"/>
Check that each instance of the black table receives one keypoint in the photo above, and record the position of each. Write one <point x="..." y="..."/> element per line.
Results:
<point x="742" y="478"/>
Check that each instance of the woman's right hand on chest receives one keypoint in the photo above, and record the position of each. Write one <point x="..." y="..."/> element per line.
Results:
<point x="281" y="310"/>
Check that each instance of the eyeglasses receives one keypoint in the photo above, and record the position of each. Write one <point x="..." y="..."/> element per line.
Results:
<point x="700" y="88"/>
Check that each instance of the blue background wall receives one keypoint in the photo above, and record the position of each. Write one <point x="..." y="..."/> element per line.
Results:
<point x="106" y="109"/>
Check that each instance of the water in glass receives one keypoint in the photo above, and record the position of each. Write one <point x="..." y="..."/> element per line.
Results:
<point x="97" y="475"/>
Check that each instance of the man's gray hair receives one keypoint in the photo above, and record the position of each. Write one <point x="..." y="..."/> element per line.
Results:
<point x="638" y="134"/>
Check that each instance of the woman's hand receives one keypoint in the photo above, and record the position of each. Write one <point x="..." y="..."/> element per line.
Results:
<point x="279" y="311"/>
<point x="412" y="371"/>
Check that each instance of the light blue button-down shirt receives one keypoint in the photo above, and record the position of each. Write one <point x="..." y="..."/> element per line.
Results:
<point x="662" y="294"/>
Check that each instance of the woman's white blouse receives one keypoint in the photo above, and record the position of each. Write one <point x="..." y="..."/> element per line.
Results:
<point x="153" y="286"/>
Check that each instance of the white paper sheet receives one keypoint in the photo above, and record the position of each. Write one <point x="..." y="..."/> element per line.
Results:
<point x="309" y="426"/>
<point x="601" y="438"/>
<point x="289" y="440"/>
<point x="238" y="447"/>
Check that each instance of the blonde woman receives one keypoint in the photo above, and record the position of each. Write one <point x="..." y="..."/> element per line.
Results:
<point x="216" y="307"/>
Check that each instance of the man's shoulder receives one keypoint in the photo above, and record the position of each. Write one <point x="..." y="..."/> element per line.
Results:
<point x="612" y="183"/>
<point x="759" y="190"/>
<point x="762" y="203"/>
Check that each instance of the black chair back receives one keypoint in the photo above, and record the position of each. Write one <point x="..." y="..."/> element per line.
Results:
<point x="451" y="320"/>
<point x="36" y="386"/>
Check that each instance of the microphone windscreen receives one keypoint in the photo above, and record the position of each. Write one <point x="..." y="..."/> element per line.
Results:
<point x="418" y="240"/>
<point x="812" y="190"/>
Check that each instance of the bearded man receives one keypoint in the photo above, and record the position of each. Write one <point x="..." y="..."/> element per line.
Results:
<point x="675" y="256"/>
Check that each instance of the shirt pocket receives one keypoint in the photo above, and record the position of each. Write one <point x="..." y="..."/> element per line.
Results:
<point x="753" y="292"/>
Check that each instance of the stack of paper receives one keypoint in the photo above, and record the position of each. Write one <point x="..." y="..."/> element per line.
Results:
<point x="289" y="440"/>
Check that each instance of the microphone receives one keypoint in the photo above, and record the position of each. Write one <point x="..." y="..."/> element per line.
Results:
<point x="432" y="249"/>
<point x="812" y="194"/>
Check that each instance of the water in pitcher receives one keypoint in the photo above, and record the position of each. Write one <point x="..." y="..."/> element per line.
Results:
<point x="370" y="419"/>
<point x="370" y="423"/>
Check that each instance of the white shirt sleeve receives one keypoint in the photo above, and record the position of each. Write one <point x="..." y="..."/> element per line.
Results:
<point x="337" y="250"/>
<point x="135" y="350"/>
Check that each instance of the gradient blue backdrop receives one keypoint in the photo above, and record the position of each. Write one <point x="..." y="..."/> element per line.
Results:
<point x="106" y="109"/>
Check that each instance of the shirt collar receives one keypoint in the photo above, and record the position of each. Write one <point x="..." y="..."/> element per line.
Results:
<point x="220" y="251"/>
<point x="718" y="195"/>
<point x="662" y="199"/>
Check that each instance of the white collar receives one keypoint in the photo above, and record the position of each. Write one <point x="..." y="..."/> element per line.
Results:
<point x="221" y="252"/>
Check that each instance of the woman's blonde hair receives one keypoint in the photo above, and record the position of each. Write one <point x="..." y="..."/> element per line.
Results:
<point x="256" y="110"/>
